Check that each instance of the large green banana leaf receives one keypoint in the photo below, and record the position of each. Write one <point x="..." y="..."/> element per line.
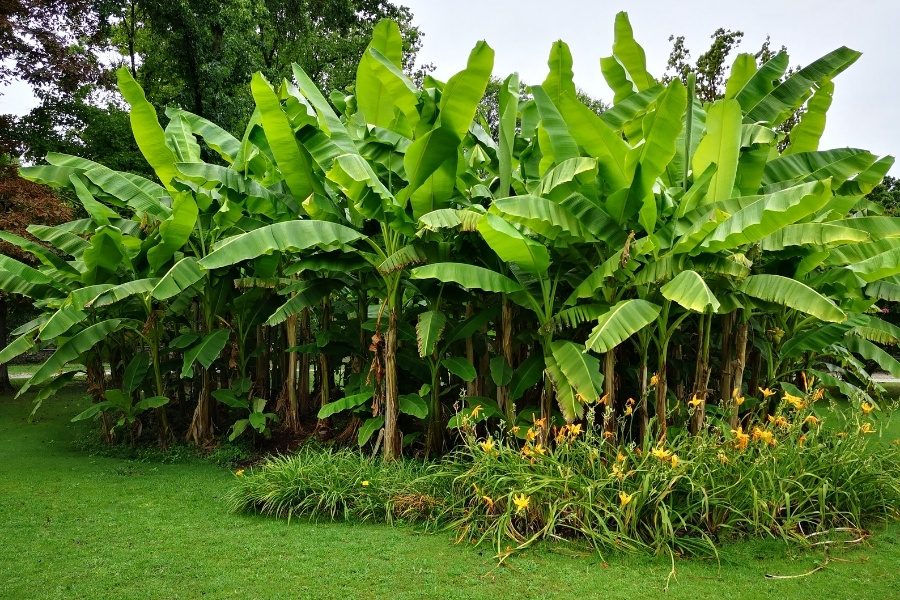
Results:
<point x="582" y="372"/>
<point x="778" y="104"/>
<point x="148" y="134"/>
<point x="290" y="157"/>
<point x="220" y="141"/>
<point x="720" y="146"/>
<point x="384" y="95"/>
<point x="468" y="276"/>
<point x="183" y="274"/>
<point x="690" y="291"/>
<point x="805" y="135"/>
<point x="290" y="236"/>
<point x="175" y="231"/>
<point x="542" y="216"/>
<point x="72" y="348"/>
<point x="870" y="351"/>
<point x="206" y="351"/>
<point x="793" y="294"/>
<point x="429" y="327"/>
<point x="621" y="322"/>
<point x="767" y="215"/>
<point x="511" y="246"/>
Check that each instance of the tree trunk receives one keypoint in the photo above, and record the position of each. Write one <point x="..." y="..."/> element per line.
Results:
<point x="392" y="442"/>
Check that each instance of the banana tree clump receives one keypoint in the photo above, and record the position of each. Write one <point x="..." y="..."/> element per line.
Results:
<point x="376" y="267"/>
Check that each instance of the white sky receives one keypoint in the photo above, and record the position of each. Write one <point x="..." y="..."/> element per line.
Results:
<point x="864" y="113"/>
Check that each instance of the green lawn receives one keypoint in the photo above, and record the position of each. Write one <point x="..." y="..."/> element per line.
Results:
<point x="80" y="526"/>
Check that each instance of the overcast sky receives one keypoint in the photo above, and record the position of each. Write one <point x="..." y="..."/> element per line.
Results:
<point x="866" y="108"/>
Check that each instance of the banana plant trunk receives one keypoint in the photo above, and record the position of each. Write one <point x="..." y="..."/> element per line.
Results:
<point x="740" y="361"/>
<point x="701" y="375"/>
<point x="305" y="401"/>
<point x="661" y="407"/>
<point x="165" y="432"/>
<point x="392" y="445"/>
<point x="291" y="410"/>
<point x="726" y="382"/>
<point x="609" y="392"/>
<point x="471" y="386"/>
<point x="434" y="442"/>
<point x="325" y="372"/>
<point x="506" y="348"/>
<point x="201" y="430"/>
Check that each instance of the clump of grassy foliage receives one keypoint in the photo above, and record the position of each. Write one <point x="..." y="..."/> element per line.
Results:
<point x="342" y="484"/>
<point x="786" y="475"/>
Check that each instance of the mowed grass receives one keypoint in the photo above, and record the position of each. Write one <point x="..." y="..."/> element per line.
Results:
<point x="81" y="526"/>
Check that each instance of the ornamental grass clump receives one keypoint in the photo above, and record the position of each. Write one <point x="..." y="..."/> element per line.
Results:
<point x="335" y="485"/>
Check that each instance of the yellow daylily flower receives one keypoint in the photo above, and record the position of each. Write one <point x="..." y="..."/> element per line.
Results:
<point x="723" y="458"/>
<point x="812" y="420"/>
<point x="695" y="401"/>
<point x="574" y="430"/>
<point x="654" y="380"/>
<point x="239" y="472"/>
<point x="737" y="397"/>
<point x="521" y="501"/>
<point x="866" y="428"/>
<point x="766" y="392"/>
<point x="779" y="421"/>
<point x="763" y="435"/>
<point x="618" y="472"/>
<point x="488" y="446"/>
<point x="365" y="483"/>
<point x="531" y="434"/>
<point x="741" y="439"/>
<point x="476" y="411"/>
<point x="661" y="454"/>
<point x="867" y="407"/>
<point x="624" y="499"/>
<point x="796" y="401"/>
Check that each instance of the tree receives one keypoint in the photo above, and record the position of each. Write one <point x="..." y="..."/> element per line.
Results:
<point x="194" y="55"/>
